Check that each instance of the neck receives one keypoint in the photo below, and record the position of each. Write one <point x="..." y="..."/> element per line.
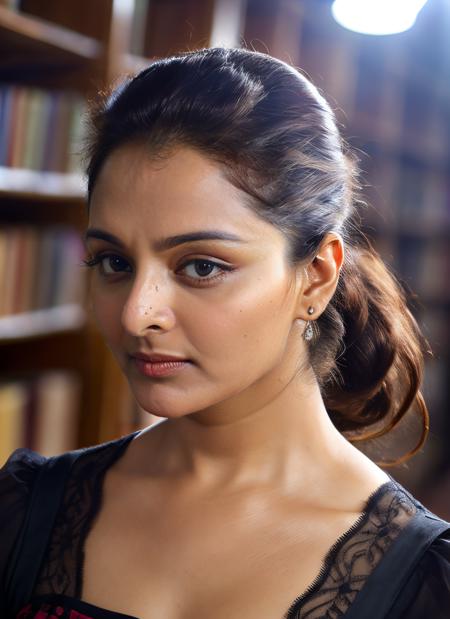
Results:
<point x="288" y="440"/>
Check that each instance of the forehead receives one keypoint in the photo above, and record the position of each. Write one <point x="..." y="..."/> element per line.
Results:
<point x="184" y="188"/>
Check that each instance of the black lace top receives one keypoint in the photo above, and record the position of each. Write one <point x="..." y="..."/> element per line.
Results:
<point x="368" y="573"/>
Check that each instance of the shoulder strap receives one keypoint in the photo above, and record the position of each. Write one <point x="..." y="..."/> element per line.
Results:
<point x="382" y="587"/>
<point x="44" y="502"/>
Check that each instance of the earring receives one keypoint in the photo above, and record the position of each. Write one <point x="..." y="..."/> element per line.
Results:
<point x="308" y="334"/>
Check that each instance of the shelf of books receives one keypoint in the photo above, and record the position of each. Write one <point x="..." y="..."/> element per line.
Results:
<point x="52" y="363"/>
<point x="40" y="412"/>
<point x="59" y="386"/>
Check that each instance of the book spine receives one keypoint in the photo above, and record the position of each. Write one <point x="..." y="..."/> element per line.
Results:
<point x="51" y="123"/>
<point x="10" y="279"/>
<point x="40" y="129"/>
<point x="12" y="422"/>
<point x="57" y="405"/>
<point x="3" y="269"/>
<point x="76" y="135"/>
<point x="70" y="285"/>
<point x="18" y="145"/>
<point x="40" y="268"/>
<point x="40" y="413"/>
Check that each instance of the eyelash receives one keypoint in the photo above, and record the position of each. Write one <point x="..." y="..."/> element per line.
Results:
<point x="98" y="259"/>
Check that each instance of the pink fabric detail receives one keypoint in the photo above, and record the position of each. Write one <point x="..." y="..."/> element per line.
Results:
<point x="74" y="614"/>
<point x="47" y="612"/>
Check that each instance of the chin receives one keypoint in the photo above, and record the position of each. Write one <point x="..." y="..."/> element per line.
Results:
<point x="153" y="400"/>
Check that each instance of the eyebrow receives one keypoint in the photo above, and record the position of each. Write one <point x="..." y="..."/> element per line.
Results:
<point x="170" y="241"/>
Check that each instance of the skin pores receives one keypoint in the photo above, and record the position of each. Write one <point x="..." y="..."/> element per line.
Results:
<point x="239" y="327"/>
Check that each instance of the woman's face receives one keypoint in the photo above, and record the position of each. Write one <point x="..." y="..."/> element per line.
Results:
<point x="229" y="306"/>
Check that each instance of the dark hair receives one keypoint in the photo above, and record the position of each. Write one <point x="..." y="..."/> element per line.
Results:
<point x="277" y="139"/>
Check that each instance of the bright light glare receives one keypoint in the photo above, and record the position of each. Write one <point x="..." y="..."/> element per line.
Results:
<point x="377" y="16"/>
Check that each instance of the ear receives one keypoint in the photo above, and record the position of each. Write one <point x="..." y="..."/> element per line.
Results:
<point x="321" y="277"/>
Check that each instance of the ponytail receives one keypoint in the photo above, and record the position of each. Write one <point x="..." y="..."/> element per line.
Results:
<point x="379" y="359"/>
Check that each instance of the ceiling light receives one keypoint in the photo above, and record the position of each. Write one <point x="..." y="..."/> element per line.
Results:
<point x="377" y="16"/>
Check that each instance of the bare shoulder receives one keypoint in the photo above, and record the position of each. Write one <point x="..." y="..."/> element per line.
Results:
<point x="356" y="479"/>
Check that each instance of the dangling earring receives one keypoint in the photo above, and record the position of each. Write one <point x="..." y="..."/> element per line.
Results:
<point x="309" y="333"/>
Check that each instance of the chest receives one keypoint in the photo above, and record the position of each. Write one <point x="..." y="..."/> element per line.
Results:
<point x="203" y="558"/>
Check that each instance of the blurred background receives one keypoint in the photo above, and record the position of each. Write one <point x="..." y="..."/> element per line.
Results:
<point x="59" y="386"/>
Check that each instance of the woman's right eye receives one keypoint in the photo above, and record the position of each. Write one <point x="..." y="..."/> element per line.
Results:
<point x="109" y="263"/>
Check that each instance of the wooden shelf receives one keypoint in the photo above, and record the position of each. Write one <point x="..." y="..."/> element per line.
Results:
<point x="33" y="37"/>
<point x="41" y="322"/>
<point x="21" y="183"/>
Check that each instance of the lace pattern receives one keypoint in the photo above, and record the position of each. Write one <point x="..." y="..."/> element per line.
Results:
<point x="346" y="568"/>
<point x="354" y="556"/>
<point x="61" y="570"/>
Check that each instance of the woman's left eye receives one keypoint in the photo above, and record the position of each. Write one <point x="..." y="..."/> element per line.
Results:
<point x="202" y="268"/>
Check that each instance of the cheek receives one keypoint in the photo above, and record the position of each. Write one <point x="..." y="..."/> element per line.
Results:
<point x="250" y="321"/>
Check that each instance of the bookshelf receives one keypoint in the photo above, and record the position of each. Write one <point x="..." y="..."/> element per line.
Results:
<point x="40" y="323"/>
<point x="50" y="53"/>
<point x="82" y="47"/>
<point x="21" y="183"/>
<point x="53" y="56"/>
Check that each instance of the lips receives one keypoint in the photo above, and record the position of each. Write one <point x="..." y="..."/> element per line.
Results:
<point x="158" y="365"/>
<point x="157" y="358"/>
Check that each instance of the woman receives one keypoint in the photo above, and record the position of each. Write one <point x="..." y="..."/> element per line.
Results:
<point x="246" y="310"/>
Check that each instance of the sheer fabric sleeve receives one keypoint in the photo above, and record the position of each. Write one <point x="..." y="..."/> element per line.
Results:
<point x="427" y="593"/>
<point x="16" y="481"/>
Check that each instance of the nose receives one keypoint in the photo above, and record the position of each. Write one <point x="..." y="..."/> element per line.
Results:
<point x="147" y="308"/>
